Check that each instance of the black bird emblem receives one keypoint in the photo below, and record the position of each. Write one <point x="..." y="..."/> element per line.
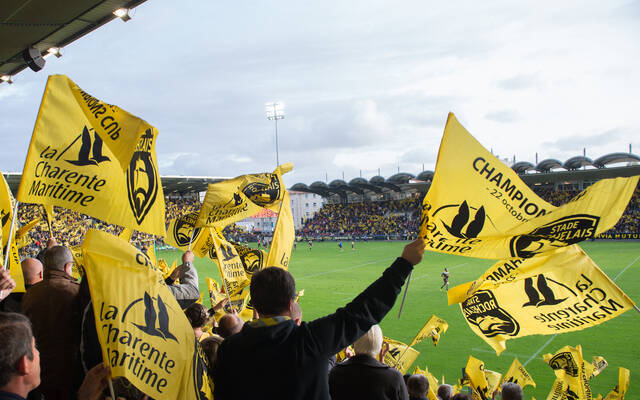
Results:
<point x="89" y="154"/>
<point x="150" y="318"/>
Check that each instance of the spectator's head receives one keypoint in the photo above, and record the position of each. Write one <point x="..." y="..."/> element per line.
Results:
<point x="210" y="347"/>
<point x="19" y="358"/>
<point x="461" y="396"/>
<point x="197" y="315"/>
<point x="296" y="313"/>
<point x="445" y="392"/>
<point x="370" y="343"/>
<point x="417" y="386"/>
<point x="229" y="324"/>
<point x="273" y="291"/>
<point x="511" y="391"/>
<point x="31" y="270"/>
<point x="58" y="258"/>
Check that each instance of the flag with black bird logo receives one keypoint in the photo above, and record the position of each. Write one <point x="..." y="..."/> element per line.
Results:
<point x="621" y="388"/>
<point x="571" y="381"/>
<point x="477" y="206"/>
<point x="144" y="334"/>
<point x="94" y="158"/>
<point x="556" y="292"/>
<point x="182" y="233"/>
<point x="433" y="328"/>
<point x="7" y="203"/>
<point x="518" y="374"/>
<point x="400" y="356"/>
<point x="475" y="375"/>
<point x="230" y="265"/>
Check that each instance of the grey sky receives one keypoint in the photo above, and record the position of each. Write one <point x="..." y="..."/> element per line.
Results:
<point x="367" y="84"/>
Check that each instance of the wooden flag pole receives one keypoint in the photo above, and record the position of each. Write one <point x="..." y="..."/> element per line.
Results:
<point x="11" y="232"/>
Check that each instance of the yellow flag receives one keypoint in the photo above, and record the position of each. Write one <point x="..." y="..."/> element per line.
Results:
<point x="594" y="368"/>
<point x="556" y="292"/>
<point x="283" y="236"/>
<point x="7" y="204"/>
<point x="474" y="372"/>
<point x="24" y="229"/>
<point x="518" y="374"/>
<point x="143" y="332"/>
<point x="621" y="388"/>
<point x="101" y="163"/>
<point x="163" y="267"/>
<point x="181" y="230"/>
<point x="241" y="197"/>
<point x="479" y="207"/>
<point x="151" y="253"/>
<point x="493" y="380"/>
<point x="49" y="214"/>
<point x="78" y="261"/>
<point x="126" y="234"/>
<point x="399" y="356"/>
<point x="229" y="264"/>
<point x="433" y="328"/>
<point x="567" y="364"/>
<point x="15" y="269"/>
<point x="433" y="382"/>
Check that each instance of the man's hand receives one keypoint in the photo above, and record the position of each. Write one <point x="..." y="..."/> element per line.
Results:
<point x="94" y="383"/>
<point x="383" y="351"/>
<point x="219" y="305"/>
<point x="7" y="284"/>
<point x="187" y="256"/>
<point x="413" y="251"/>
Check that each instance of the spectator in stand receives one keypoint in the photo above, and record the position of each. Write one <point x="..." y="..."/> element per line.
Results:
<point x="53" y="308"/>
<point x="198" y="318"/>
<point x="32" y="273"/>
<point x="362" y="376"/>
<point x="186" y="292"/>
<point x="511" y="391"/>
<point x="445" y="392"/>
<point x="19" y="358"/>
<point x="7" y="284"/>
<point x="229" y="324"/>
<point x="281" y="349"/>
<point x="462" y="396"/>
<point x="417" y="386"/>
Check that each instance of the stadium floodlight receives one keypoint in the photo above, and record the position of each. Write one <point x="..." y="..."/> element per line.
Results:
<point x="6" y="78"/>
<point x="275" y="111"/>
<point x="55" y="51"/>
<point x="123" y="14"/>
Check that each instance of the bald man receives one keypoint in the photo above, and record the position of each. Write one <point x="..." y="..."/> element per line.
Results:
<point x="229" y="325"/>
<point x="32" y="272"/>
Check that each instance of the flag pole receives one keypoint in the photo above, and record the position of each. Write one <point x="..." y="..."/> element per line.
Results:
<point x="113" y="394"/>
<point x="192" y="232"/>
<point x="404" y="296"/>
<point x="637" y="309"/>
<point x="11" y="232"/>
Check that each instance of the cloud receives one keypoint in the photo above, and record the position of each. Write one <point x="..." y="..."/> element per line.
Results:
<point x="519" y="82"/>
<point x="503" y="116"/>
<point x="578" y="142"/>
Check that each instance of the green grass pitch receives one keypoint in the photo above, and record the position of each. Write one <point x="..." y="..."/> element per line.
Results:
<point x="332" y="278"/>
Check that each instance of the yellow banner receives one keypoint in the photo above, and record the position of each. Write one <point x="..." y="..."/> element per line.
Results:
<point x="399" y="356"/>
<point x="478" y="207"/>
<point x="474" y="373"/>
<point x="594" y="368"/>
<point x="126" y="234"/>
<point x="24" y="229"/>
<point x="15" y="269"/>
<point x="142" y="330"/>
<point x="283" y="236"/>
<point x="518" y="374"/>
<point x="433" y="328"/>
<point x="567" y="364"/>
<point x="433" y="382"/>
<point x="621" y="388"/>
<point x="493" y="380"/>
<point x="241" y="197"/>
<point x="180" y="233"/>
<point x="78" y="261"/>
<point x="6" y="211"/>
<point x="107" y="170"/>
<point x="229" y="264"/>
<point x="49" y="214"/>
<point x="557" y="292"/>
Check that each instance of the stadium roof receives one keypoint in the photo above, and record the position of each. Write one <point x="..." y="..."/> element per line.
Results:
<point x="46" y="24"/>
<point x="546" y="172"/>
<point x="170" y="184"/>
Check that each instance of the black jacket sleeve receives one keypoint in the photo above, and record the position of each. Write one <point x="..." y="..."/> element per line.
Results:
<point x="328" y="335"/>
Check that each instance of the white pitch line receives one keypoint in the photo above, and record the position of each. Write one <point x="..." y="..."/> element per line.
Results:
<point x="339" y="270"/>
<point x="553" y="337"/>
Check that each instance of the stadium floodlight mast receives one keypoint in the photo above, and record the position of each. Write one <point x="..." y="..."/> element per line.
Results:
<point x="275" y="111"/>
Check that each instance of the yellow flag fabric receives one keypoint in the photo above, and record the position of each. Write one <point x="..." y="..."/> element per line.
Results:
<point x="433" y="382"/>
<point x="78" y="267"/>
<point x="241" y="197"/>
<point x="15" y="269"/>
<point x="180" y="231"/>
<point x="24" y="229"/>
<point x="399" y="356"/>
<point x="621" y="388"/>
<point x="101" y="163"/>
<point x="478" y="207"/>
<point x="567" y="363"/>
<point x="518" y="374"/>
<point x="7" y="204"/>
<point x="493" y="380"/>
<point x="474" y="371"/>
<point x="283" y="236"/>
<point x="126" y="234"/>
<point x="151" y="253"/>
<point x="594" y="368"/>
<point x="433" y="328"/>
<point x="143" y="332"/>
<point x="49" y="214"/>
<point x="215" y="296"/>
<point x="556" y="292"/>
<point x="229" y="264"/>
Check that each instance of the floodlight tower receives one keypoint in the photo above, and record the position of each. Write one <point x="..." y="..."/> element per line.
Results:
<point x="275" y="111"/>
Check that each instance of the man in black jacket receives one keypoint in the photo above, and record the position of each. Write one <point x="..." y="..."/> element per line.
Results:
<point x="273" y="358"/>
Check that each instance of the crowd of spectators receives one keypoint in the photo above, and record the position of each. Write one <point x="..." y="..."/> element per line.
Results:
<point x="388" y="218"/>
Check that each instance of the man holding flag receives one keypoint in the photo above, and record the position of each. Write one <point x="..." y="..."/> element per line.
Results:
<point x="280" y="349"/>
